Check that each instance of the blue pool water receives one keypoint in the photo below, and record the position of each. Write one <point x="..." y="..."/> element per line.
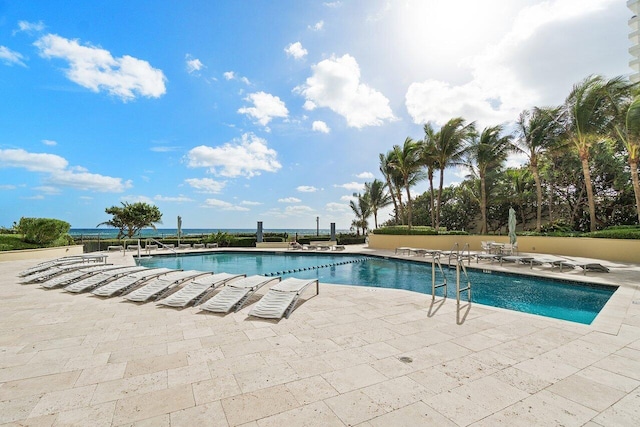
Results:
<point x="573" y="301"/>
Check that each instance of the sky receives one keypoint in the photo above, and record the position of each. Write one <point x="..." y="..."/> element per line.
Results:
<point x="232" y="112"/>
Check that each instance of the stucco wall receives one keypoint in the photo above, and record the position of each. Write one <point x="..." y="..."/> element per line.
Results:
<point x="46" y="253"/>
<point x="607" y="249"/>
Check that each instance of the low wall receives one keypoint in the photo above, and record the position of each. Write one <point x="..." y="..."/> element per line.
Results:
<point x="273" y="245"/>
<point x="44" y="253"/>
<point x="622" y="250"/>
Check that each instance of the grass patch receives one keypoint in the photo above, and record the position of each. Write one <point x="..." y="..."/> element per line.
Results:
<point x="10" y="242"/>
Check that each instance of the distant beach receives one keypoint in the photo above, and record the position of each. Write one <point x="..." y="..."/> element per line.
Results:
<point x="112" y="233"/>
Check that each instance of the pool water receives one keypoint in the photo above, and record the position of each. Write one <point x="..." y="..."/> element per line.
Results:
<point x="572" y="301"/>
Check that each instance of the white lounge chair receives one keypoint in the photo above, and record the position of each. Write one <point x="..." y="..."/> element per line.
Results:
<point x="516" y="259"/>
<point x="282" y="298"/>
<point x="235" y="294"/>
<point x="592" y="266"/>
<point x="52" y="271"/>
<point x="48" y="264"/>
<point x="100" y="279"/>
<point x="125" y="283"/>
<point x="81" y="273"/>
<point x="197" y="289"/>
<point x="158" y="286"/>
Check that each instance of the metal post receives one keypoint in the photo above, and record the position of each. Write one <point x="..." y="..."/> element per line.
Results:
<point x="333" y="232"/>
<point x="259" y="233"/>
<point x="317" y="226"/>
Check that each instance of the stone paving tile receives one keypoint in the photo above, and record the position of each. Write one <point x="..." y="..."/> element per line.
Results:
<point x="37" y="386"/>
<point x="348" y="379"/>
<point x="152" y="404"/>
<point x="415" y="414"/>
<point x="215" y="389"/>
<point x="208" y="414"/>
<point x="312" y="389"/>
<point x="258" y="404"/>
<point x="337" y="361"/>
<point x="354" y="407"/>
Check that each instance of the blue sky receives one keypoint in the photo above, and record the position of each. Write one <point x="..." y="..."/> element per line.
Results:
<point x="232" y="112"/>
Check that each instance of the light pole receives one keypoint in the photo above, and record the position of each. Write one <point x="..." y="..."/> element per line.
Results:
<point x="317" y="226"/>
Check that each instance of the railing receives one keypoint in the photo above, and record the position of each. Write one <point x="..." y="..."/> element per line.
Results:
<point x="435" y="261"/>
<point x="151" y="239"/>
<point x="460" y="267"/>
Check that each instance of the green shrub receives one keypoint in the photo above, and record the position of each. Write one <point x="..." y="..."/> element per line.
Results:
<point x="350" y="239"/>
<point x="403" y="229"/>
<point x="616" y="233"/>
<point x="43" y="231"/>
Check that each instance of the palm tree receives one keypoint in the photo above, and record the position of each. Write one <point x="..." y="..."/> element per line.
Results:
<point x="487" y="153"/>
<point x="386" y="168"/>
<point x="449" y="144"/>
<point x="627" y="128"/>
<point x="361" y="207"/>
<point x="430" y="161"/>
<point x="586" y="119"/>
<point x="407" y="163"/>
<point x="538" y="130"/>
<point x="378" y="197"/>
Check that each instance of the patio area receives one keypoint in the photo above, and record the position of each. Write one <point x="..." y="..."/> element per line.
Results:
<point x="350" y="356"/>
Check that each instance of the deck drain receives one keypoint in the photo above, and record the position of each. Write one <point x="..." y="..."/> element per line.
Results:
<point x="405" y="359"/>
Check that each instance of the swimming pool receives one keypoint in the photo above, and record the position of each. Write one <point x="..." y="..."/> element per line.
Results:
<point x="567" y="300"/>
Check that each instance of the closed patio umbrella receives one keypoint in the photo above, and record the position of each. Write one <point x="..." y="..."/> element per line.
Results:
<point x="512" y="226"/>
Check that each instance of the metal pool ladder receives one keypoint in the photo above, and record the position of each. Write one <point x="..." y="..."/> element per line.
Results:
<point x="435" y="261"/>
<point x="460" y="267"/>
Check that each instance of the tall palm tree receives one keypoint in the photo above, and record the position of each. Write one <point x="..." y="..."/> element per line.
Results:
<point x="407" y="163"/>
<point x="586" y="120"/>
<point x="386" y="168"/>
<point x="626" y="126"/>
<point x="429" y="160"/>
<point x="538" y="130"/>
<point x="378" y="197"/>
<point x="486" y="153"/>
<point x="449" y="144"/>
<point x="361" y="207"/>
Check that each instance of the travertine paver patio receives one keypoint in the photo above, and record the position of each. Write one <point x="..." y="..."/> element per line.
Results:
<point x="351" y="356"/>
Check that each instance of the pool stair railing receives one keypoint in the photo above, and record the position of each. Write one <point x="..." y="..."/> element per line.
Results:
<point x="160" y="244"/>
<point x="461" y="268"/>
<point x="315" y="267"/>
<point x="435" y="263"/>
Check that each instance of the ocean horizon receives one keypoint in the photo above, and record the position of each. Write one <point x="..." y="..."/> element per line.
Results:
<point x="112" y="233"/>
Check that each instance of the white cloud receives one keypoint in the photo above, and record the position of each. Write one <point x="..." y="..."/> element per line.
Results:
<point x="222" y="205"/>
<point x="231" y="75"/>
<point x="7" y="187"/>
<point x="34" y="162"/>
<point x="163" y="149"/>
<point x="60" y="174"/>
<point x="320" y="126"/>
<point x="266" y="107"/>
<point x="318" y="26"/>
<point x="297" y="210"/>
<point x="96" y="69"/>
<point x="347" y="198"/>
<point x="289" y="200"/>
<point x="296" y="50"/>
<point x="335" y="84"/>
<point x="89" y="181"/>
<point x="247" y="157"/>
<point x="49" y="142"/>
<point x="30" y="27"/>
<point x="179" y="199"/>
<point x="193" y="64"/>
<point x="11" y="57"/>
<point x="250" y="203"/>
<point x="352" y="186"/>
<point x="332" y="4"/>
<point x="502" y="83"/>
<point x="206" y="185"/>
<point x="48" y="189"/>
<point x="365" y="175"/>
<point x="136" y="199"/>
<point x="337" y="207"/>
<point x="306" y="189"/>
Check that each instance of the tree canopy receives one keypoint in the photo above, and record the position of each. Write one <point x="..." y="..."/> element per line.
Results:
<point x="130" y="218"/>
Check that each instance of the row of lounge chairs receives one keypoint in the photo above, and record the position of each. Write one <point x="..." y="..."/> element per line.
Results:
<point x="320" y="246"/>
<point x="502" y="257"/>
<point x="220" y="293"/>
